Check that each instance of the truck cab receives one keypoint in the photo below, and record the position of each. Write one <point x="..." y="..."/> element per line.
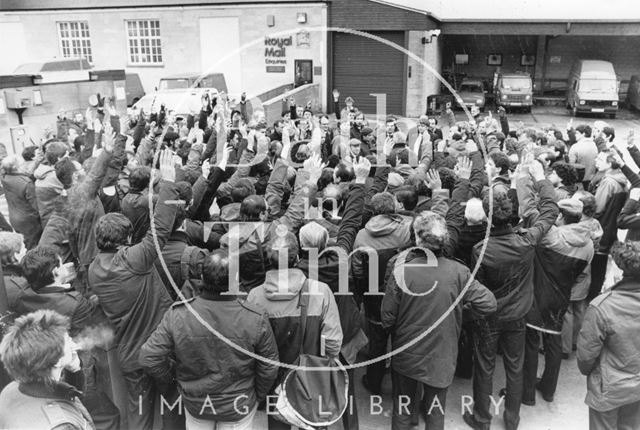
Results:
<point x="514" y="90"/>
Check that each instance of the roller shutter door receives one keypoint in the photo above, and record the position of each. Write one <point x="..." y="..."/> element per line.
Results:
<point x="362" y="66"/>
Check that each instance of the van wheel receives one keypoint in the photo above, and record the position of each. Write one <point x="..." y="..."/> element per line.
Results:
<point x="612" y="115"/>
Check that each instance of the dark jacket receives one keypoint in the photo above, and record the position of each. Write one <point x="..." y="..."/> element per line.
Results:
<point x="135" y="206"/>
<point x="63" y="300"/>
<point x="506" y="266"/>
<point x="611" y="195"/>
<point x="20" y="192"/>
<point x="48" y="189"/>
<point x="563" y="255"/>
<point x="39" y="406"/>
<point x="609" y="347"/>
<point x="129" y="287"/>
<point x="173" y="255"/>
<point x="331" y="263"/>
<point x="432" y="359"/>
<point x="183" y="349"/>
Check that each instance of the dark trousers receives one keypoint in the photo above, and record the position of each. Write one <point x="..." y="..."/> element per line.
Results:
<point x="405" y="401"/>
<point x="552" y="362"/>
<point x="598" y="273"/>
<point x="510" y="336"/>
<point x="378" y="338"/>
<point x="625" y="417"/>
<point x="141" y="395"/>
<point x="350" y="417"/>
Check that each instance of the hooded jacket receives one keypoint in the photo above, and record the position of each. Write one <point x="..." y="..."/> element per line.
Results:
<point x="562" y="256"/>
<point x="580" y="289"/>
<point x="611" y="195"/>
<point x="386" y="234"/>
<point x="48" y="189"/>
<point x="279" y="296"/>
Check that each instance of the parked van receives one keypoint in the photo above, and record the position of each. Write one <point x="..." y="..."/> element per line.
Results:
<point x="190" y="80"/>
<point x="633" y="93"/>
<point x="514" y="90"/>
<point x="593" y="88"/>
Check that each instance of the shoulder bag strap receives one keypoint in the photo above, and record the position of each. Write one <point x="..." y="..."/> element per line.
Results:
<point x="303" y="304"/>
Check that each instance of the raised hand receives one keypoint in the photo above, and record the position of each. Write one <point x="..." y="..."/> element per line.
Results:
<point x="336" y="94"/>
<point x="630" y="138"/>
<point x="108" y="138"/>
<point x="167" y="168"/>
<point x="226" y="154"/>
<point x="433" y="181"/>
<point x="206" y="168"/>
<point x="463" y="168"/>
<point x="634" y="194"/>
<point x="361" y="169"/>
<point x="314" y="166"/>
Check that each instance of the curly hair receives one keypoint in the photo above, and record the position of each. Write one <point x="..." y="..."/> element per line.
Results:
<point x="430" y="230"/>
<point x="501" y="162"/>
<point x="588" y="202"/>
<point x="626" y="255"/>
<point x="502" y="207"/>
<point x="383" y="203"/>
<point x="566" y="172"/>
<point x="10" y="244"/>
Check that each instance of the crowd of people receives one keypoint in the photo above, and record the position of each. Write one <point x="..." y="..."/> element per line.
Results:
<point x="174" y="253"/>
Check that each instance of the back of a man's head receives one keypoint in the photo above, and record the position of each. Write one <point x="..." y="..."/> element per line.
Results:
<point x="430" y="231"/>
<point x="113" y="230"/>
<point x="502" y="208"/>
<point x="33" y="345"/>
<point x="139" y="178"/>
<point x="584" y="129"/>
<point x="38" y="265"/>
<point x="626" y="255"/>
<point x="243" y="189"/>
<point x="55" y="150"/>
<point x="215" y="271"/>
<point x="408" y="196"/>
<point x="383" y="204"/>
<point x="313" y="235"/>
<point x="252" y="207"/>
<point x="65" y="169"/>
<point x="282" y="249"/>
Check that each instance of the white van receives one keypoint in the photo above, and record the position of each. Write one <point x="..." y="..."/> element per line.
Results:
<point x="593" y="88"/>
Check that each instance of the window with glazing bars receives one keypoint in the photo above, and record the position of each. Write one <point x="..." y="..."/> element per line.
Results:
<point x="143" y="42"/>
<point x="74" y="40"/>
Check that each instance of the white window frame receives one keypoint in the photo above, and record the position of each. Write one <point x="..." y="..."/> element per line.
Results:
<point x="78" y="40"/>
<point x="144" y="42"/>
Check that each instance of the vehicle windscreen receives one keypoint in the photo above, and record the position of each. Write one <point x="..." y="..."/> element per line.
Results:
<point x="173" y="84"/>
<point x="516" y="84"/>
<point x="470" y="88"/>
<point x="598" y="85"/>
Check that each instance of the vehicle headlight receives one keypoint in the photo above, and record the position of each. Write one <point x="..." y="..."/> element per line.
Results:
<point x="581" y="102"/>
<point x="479" y="101"/>
<point x="527" y="97"/>
<point x="504" y="97"/>
<point x="614" y="103"/>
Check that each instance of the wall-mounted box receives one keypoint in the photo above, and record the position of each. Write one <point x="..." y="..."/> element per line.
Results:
<point x="18" y="99"/>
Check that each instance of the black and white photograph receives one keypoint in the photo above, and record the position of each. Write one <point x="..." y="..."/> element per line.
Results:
<point x="319" y="215"/>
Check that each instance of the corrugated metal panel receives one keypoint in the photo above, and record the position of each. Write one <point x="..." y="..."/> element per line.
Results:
<point x="362" y="66"/>
<point x="365" y="14"/>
